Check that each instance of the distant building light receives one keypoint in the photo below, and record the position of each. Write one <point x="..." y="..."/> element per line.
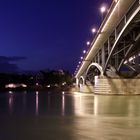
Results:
<point x="10" y="92"/>
<point x="23" y="85"/>
<point x="10" y="86"/>
<point x="64" y="83"/>
<point x="37" y="84"/>
<point x="48" y="86"/>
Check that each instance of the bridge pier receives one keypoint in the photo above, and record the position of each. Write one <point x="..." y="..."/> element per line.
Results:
<point x="86" y="89"/>
<point x="117" y="86"/>
<point x="106" y="85"/>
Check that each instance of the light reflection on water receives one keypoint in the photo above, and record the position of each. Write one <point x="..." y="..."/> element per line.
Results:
<point x="76" y="116"/>
<point x="36" y="107"/>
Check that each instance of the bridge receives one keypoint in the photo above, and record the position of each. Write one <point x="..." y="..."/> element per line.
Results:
<point x="112" y="63"/>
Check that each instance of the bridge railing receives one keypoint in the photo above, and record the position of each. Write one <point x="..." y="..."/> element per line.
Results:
<point x="101" y="26"/>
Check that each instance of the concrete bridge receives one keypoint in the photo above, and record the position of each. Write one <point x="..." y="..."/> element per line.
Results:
<point x="112" y="63"/>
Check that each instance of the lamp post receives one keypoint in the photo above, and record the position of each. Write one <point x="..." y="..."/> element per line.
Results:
<point x="103" y="10"/>
<point x="84" y="51"/>
<point x="88" y="43"/>
<point x="93" y="30"/>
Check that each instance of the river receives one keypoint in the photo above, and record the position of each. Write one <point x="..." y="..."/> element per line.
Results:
<point x="68" y="116"/>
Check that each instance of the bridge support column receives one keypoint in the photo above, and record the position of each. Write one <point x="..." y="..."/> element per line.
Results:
<point x="104" y="85"/>
<point x="103" y="56"/>
<point x="87" y="89"/>
<point x="77" y="81"/>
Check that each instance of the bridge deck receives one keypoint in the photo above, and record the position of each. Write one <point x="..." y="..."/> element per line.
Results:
<point x="113" y="18"/>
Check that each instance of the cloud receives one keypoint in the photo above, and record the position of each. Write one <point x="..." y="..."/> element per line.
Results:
<point x="10" y="59"/>
<point x="7" y="65"/>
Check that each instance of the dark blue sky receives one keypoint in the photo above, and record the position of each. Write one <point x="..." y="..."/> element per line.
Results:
<point x="41" y="34"/>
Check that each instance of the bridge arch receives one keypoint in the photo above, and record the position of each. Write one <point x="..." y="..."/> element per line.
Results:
<point x="94" y="69"/>
<point x="81" y="81"/>
<point x="97" y="66"/>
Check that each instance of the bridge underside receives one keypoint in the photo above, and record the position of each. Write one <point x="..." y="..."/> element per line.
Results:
<point x="115" y="65"/>
<point x="125" y="53"/>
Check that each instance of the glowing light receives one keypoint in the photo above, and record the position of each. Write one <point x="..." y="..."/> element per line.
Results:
<point x="93" y="30"/>
<point x="36" y="92"/>
<point x="79" y="93"/>
<point x="96" y="105"/>
<point x="64" y="83"/>
<point x="10" y="92"/>
<point x="79" y="62"/>
<point x="36" y="109"/>
<point x="103" y="9"/>
<point x="10" y="102"/>
<point x="63" y="92"/>
<point x="81" y="58"/>
<point x="96" y="80"/>
<point x="23" y="85"/>
<point x="84" y="51"/>
<point x="48" y="86"/>
<point x="10" y="86"/>
<point x="88" y="43"/>
<point x="63" y="104"/>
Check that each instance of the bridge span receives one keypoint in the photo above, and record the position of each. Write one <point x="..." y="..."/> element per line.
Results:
<point x="112" y="62"/>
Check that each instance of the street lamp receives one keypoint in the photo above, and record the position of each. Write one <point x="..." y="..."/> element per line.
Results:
<point x="93" y="30"/>
<point x="103" y="9"/>
<point x="88" y="43"/>
<point x="84" y="51"/>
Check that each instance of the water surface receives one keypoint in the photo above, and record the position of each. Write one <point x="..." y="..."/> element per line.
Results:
<point x="67" y="116"/>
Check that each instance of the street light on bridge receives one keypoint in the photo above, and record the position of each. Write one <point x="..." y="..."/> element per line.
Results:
<point x="103" y="9"/>
<point x="93" y="30"/>
<point x="84" y="51"/>
<point x="88" y="43"/>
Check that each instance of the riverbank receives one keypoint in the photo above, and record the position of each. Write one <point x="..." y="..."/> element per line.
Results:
<point x="39" y="88"/>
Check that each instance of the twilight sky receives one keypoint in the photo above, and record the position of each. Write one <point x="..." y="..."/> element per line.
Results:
<point x="40" y="34"/>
